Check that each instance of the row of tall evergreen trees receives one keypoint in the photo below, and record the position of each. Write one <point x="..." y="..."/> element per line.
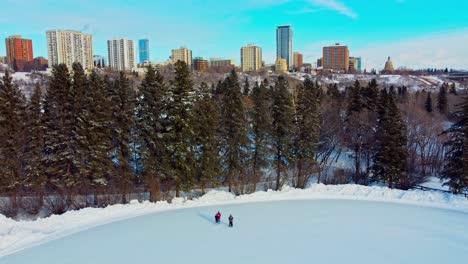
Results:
<point x="89" y="134"/>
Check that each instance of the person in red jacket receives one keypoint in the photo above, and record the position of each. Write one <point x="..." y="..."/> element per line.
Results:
<point x="218" y="217"/>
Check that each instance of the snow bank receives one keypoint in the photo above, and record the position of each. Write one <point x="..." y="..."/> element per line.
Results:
<point x="17" y="235"/>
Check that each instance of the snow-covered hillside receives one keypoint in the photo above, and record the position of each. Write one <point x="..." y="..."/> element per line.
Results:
<point x="414" y="83"/>
<point x="315" y="223"/>
<point x="26" y="80"/>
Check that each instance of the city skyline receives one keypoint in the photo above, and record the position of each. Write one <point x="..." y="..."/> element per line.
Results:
<point x="221" y="29"/>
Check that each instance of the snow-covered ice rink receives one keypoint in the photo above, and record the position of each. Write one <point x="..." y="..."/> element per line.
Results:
<point x="327" y="223"/>
<point x="291" y="231"/>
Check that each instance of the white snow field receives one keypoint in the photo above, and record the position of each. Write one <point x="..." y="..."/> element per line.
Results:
<point x="321" y="224"/>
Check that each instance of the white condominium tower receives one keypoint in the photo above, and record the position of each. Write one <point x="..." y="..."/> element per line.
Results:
<point x="122" y="54"/>
<point x="69" y="46"/>
<point x="251" y="58"/>
<point x="182" y="54"/>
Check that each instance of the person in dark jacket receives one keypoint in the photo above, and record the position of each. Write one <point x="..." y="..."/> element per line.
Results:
<point x="231" y="221"/>
<point x="218" y="217"/>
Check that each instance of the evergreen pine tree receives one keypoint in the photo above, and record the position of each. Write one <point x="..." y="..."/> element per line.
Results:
<point x="381" y="157"/>
<point x="371" y="95"/>
<point x="151" y="118"/>
<point x="246" y="87"/>
<point x="455" y="170"/>
<point x="12" y="128"/>
<point x="307" y="130"/>
<point x="207" y="138"/>
<point x="76" y="126"/>
<point x="261" y="127"/>
<point x="428" y="103"/>
<point x="60" y="160"/>
<point x="34" y="171"/>
<point x="283" y="117"/>
<point x="390" y="162"/>
<point x="356" y="127"/>
<point x="357" y="101"/>
<point x="233" y="130"/>
<point x="97" y="132"/>
<point x="442" y="105"/>
<point x="123" y="108"/>
<point x="180" y="129"/>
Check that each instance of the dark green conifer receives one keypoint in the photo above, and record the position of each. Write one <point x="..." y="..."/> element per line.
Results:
<point x="207" y="138"/>
<point x="307" y="127"/>
<point x="12" y="137"/>
<point x="455" y="170"/>
<point x="428" y="103"/>
<point x="283" y="118"/>
<point x="152" y="124"/>
<point x="442" y="104"/>
<point x="261" y="127"/>
<point x="180" y="129"/>
<point x="233" y="130"/>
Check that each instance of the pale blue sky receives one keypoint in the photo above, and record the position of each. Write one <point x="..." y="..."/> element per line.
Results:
<point x="415" y="33"/>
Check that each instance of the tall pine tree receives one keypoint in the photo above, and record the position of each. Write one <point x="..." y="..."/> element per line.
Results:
<point x="60" y="161"/>
<point x="283" y="118"/>
<point x="390" y="162"/>
<point x="180" y="129"/>
<point x="246" y="86"/>
<point x="34" y="170"/>
<point x="261" y="127"/>
<point x="442" y="104"/>
<point x="455" y="170"/>
<point x="12" y="128"/>
<point x="207" y="138"/>
<point x="428" y="103"/>
<point x="123" y="108"/>
<point x="307" y="127"/>
<point x="97" y="119"/>
<point x="152" y="124"/>
<point x="233" y="130"/>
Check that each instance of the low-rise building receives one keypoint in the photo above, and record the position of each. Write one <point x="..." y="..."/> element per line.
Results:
<point x="281" y="66"/>
<point x="199" y="64"/>
<point x="216" y="62"/>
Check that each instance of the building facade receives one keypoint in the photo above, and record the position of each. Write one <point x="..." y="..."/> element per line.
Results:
<point x="352" y="65"/>
<point x="215" y="62"/>
<point x="359" y="62"/>
<point x="39" y="64"/>
<point x="251" y="58"/>
<point x="19" y="53"/>
<point x="143" y="51"/>
<point x="319" y="63"/>
<point x="199" y="64"/>
<point x="298" y="60"/>
<point x="68" y="47"/>
<point x="284" y="45"/>
<point x="122" y="54"/>
<point x="99" y="61"/>
<point x="389" y="65"/>
<point x="3" y="60"/>
<point x="281" y="66"/>
<point x="182" y="54"/>
<point x="336" y="58"/>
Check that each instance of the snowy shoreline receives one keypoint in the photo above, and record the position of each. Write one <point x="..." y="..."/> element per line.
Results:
<point x="18" y="235"/>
